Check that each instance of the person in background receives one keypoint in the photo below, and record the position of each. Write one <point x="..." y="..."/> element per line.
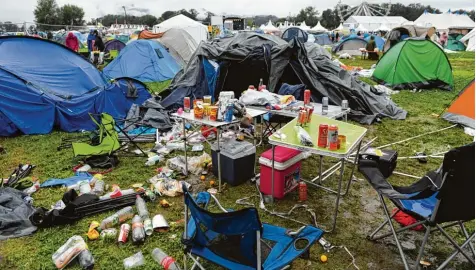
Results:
<point x="49" y="35"/>
<point x="370" y="48"/>
<point x="333" y="36"/>
<point x="443" y="39"/>
<point x="337" y="36"/>
<point x="98" y="43"/>
<point x="91" y="38"/>
<point x="72" y="42"/>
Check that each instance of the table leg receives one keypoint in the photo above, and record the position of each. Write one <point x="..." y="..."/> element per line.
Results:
<point x="345" y="117"/>
<point x="185" y="145"/>
<point x="272" y="172"/>
<point x="254" y="133"/>
<point x="334" y="223"/>
<point x="218" y="160"/>
<point x="354" y="163"/>
<point x="320" y="169"/>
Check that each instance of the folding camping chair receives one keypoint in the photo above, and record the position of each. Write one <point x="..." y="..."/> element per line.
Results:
<point x="443" y="196"/>
<point x="107" y="141"/>
<point x="274" y="123"/>
<point x="238" y="240"/>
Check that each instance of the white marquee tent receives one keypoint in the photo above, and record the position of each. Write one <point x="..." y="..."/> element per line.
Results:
<point x="269" y="28"/>
<point x="383" y="27"/>
<point x="469" y="38"/>
<point x="371" y="23"/>
<point x="304" y="27"/>
<point x="197" y="30"/>
<point x="319" y="28"/>
<point x="445" y="21"/>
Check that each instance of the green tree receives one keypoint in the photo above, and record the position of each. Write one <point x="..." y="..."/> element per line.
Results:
<point x="168" y="14"/>
<point x="309" y="15"/>
<point x="330" y="19"/>
<point x="148" y="20"/>
<point x="46" y="12"/>
<point x="192" y="14"/>
<point x="71" y="15"/>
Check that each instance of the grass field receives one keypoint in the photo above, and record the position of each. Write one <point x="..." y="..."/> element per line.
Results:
<point x="359" y="212"/>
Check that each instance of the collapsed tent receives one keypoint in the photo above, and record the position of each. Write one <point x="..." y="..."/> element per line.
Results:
<point x="401" y="33"/>
<point x="415" y="64"/>
<point x="322" y="39"/>
<point x="461" y="110"/>
<point x="468" y="40"/>
<point x="350" y="45"/>
<point x="113" y="44"/>
<point x="60" y="94"/>
<point x="232" y="64"/>
<point x="15" y="214"/>
<point x="143" y="60"/>
<point x="379" y="41"/>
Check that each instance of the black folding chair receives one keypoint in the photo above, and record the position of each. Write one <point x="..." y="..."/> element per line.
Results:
<point x="275" y="122"/>
<point x="441" y="199"/>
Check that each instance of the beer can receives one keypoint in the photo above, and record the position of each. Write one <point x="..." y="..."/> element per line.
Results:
<point x="186" y="104"/>
<point x="124" y="233"/>
<point x="322" y="139"/>
<point x="302" y="118"/>
<point x="302" y="191"/>
<point x="108" y="234"/>
<point x="229" y="112"/>
<point x="342" y="141"/>
<point x="148" y="226"/>
<point x="309" y="110"/>
<point x="333" y="137"/>
<point x="307" y="97"/>
<point x="345" y="104"/>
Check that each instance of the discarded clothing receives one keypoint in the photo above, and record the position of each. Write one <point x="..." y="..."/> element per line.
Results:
<point x="73" y="180"/>
<point x="14" y="214"/>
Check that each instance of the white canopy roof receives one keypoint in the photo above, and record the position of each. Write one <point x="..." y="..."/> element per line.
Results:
<point x="197" y="30"/>
<point x="270" y="27"/>
<point x="383" y="27"/>
<point x="371" y="23"/>
<point x="262" y="27"/>
<point x="319" y="28"/>
<point x="304" y="27"/>
<point x="341" y="27"/>
<point x="445" y="21"/>
<point x="361" y="28"/>
<point x="469" y="37"/>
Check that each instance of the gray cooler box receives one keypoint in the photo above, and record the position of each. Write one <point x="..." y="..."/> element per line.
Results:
<point x="237" y="161"/>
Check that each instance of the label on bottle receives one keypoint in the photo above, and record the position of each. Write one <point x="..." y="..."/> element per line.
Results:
<point x="167" y="262"/>
<point x="137" y="225"/>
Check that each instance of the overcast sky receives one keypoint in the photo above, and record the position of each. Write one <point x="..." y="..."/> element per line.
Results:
<point x="22" y="10"/>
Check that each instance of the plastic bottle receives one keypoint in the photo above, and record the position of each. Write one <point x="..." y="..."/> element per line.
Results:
<point x="95" y="178"/>
<point x="119" y="217"/>
<point x="86" y="260"/>
<point x="138" y="233"/>
<point x="117" y="193"/>
<point x="134" y="261"/>
<point x="84" y="168"/>
<point x="165" y="260"/>
<point x="260" y="84"/>
<point x="98" y="187"/>
<point x="153" y="159"/>
<point x="141" y="207"/>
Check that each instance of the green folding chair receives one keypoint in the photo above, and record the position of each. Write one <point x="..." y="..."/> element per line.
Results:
<point x="108" y="138"/>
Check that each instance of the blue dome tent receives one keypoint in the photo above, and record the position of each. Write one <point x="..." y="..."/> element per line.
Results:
<point x="322" y="39"/>
<point x="380" y="42"/>
<point x="44" y="84"/>
<point x="143" y="60"/>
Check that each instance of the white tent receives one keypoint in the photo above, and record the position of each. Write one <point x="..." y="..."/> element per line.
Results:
<point x="319" y="28"/>
<point x="304" y="27"/>
<point x="469" y="37"/>
<point x="197" y="30"/>
<point x="361" y="28"/>
<point x="269" y="28"/>
<point x="180" y="43"/>
<point x="383" y="27"/>
<point x="340" y="28"/>
<point x="444" y="22"/>
<point x="373" y="22"/>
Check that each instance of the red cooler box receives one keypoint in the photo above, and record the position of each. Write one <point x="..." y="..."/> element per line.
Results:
<point x="287" y="169"/>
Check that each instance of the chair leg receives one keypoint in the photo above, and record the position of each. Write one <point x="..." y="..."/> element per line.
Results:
<point x="196" y="263"/>
<point x="445" y="263"/>
<point x="465" y="232"/>
<point x="422" y="247"/>
<point x="371" y="236"/>
<point x="400" y="230"/>
<point x="455" y="244"/>
<point x="399" y="246"/>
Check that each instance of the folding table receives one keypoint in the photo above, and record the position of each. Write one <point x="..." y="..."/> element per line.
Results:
<point x="219" y="125"/>
<point x="354" y="135"/>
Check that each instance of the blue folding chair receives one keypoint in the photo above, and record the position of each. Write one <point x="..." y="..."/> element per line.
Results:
<point x="441" y="199"/>
<point x="238" y="240"/>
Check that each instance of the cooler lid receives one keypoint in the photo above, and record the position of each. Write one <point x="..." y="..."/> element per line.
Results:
<point x="281" y="154"/>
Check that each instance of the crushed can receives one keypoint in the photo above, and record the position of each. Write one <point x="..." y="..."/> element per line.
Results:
<point x="124" y="233"/>
<point x="302" y="191"/>
<point x="322" y="137"/>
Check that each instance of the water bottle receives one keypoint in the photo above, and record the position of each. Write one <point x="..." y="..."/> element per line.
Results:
<point x="141" y="207"/>
<point x="98" y="187"/>
<point x="152" y="160"/>
<point x="138" y="233"/>
<point x="119" y="217"/>
<point x="86" y="260"/>
<point x="165" y="260"/>
<point x="84" y="168"/>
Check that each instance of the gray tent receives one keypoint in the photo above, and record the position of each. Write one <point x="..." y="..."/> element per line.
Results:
<point x="232" y="64"/>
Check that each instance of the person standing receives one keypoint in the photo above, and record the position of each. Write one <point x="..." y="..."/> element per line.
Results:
<point x="98" y="43"/>
<point x="91" y="38"/>
<point x="443" y="39"/>
<point x="370" y="48"/>
<point x="337" y="36"/>
<point x="72" y="42"/>
<point x="333" y="36"/>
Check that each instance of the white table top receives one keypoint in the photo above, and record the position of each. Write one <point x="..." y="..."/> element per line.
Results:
<point x="219" y="123"/>
<point x="333" y="112"/>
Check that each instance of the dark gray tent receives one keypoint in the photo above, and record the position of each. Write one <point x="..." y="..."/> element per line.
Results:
<point x="232" y="64"/>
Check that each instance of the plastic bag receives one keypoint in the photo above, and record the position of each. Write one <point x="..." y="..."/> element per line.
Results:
<point x="177" y="164"/>
<point x="303" y="136"/>
<point x="196" y="164"/>
<point x="170" y="187"/>
<point x="134" y="261"/>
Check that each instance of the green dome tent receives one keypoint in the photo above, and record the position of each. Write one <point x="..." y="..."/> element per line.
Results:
<point x="415" y="63"/>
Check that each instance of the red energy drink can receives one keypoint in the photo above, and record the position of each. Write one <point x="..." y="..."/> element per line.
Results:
<point x="186" y="104"/>
<point x="309" y="110"/>
<point x="307" y="97"/>
<point x="322" y="138"/>
<point x="302" y="191"/>
<point x="124" y="233"/>
<point x="333" y="137"/>
<point x="301" y="121"/>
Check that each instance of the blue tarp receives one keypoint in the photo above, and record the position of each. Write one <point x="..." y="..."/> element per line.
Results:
<point x="143" y="60"/>
<point x="378" y="41"/>
<point x="44" y="84"/>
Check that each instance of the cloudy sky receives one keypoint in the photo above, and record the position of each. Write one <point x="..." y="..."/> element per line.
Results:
<point x="22" y="10"/>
